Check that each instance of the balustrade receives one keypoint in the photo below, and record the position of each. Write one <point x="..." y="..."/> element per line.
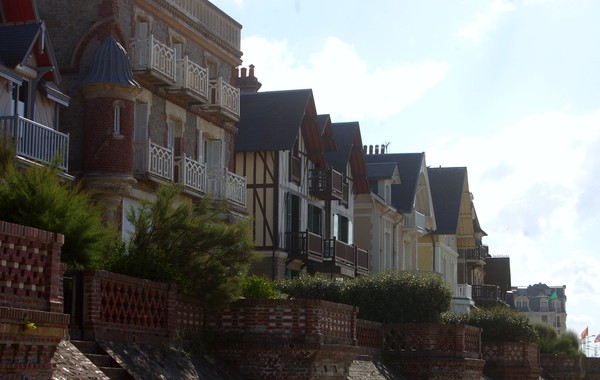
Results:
<point x="153" y="159"/>
<point x="236" y="189"/>
<point x="150" y="54"/>
<point x="193" y="77"/>
<point x="37" y="142"/>
<point x="193" y="174"/>
<point x="223" y="97"/>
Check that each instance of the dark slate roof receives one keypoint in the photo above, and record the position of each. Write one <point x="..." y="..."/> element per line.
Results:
<point x="16" y="43"/>
<point x="381" y="170"/>
<point x="349" y="150"/>
<point x="409" y="167"/>
<point x="446" y="186"/>
<point x="326" y="130"/>
<point x="111" y="65"/>
<point x="270" y="121"/>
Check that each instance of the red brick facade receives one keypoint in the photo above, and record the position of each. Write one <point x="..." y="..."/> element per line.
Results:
<point x="511" y="360"/>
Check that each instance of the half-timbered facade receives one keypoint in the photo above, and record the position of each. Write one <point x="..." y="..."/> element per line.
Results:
<point x="29" y="95"/>
<point x="153" y="99"/>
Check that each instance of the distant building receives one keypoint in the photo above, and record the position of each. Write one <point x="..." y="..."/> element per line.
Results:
<point x="540" y="302"/>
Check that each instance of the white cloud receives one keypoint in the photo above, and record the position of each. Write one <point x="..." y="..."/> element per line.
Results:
<point x="486" y="21"/>
<point x="343" y="84"/>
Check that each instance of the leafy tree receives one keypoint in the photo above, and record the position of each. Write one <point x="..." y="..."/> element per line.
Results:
<point x="194" y="246"/>
<point x="37" y="197"/>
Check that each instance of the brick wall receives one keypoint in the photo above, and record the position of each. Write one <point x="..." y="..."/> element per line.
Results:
<point x="565" y="367"/>
<point x="505" y="360"/>
<point x="127" y="309"/>
<point x="30" y="269"/>
<point x="31" y="319"/>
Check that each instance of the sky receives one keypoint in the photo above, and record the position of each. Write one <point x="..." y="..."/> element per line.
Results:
<point x="509" y="89"/>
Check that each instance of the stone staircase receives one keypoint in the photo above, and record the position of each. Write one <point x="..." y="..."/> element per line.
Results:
<point x="101" y="359"/>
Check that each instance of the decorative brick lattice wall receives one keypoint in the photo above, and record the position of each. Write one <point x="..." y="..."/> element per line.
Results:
<point x="511" y="360"/>
<point x="563" y="366"/>
<point x="370" y="337"/>
<point x="30" y="270"/>
<point x="128" y="309"/>
<point x="31" y="319"/>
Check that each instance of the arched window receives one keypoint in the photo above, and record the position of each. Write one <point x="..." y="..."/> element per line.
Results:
<point x="117" y="107"/>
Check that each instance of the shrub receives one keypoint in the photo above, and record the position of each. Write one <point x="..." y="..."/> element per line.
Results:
<point x="256" y="287"/>
<point x="550" y="342"/>
<point x="399" y="297"/>
<point x="36" y="197"/>
<point x="311" y="287"/>
<point x="391" y="297"/>
<point x="498" y="324"/>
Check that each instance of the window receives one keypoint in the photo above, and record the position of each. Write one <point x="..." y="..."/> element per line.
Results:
<point x="315" y="219"/>
<point x="171" y="134"/>
<point x="558" y="321"/>
<point x="142" y="29"/>
<point x="545" y="318"/>
<point x="199" y="145"/>
<point x="295" y="163"/>
<point x="342" y="226"/>
<point x="117" y="106"/>
<point x="141" y="122"/>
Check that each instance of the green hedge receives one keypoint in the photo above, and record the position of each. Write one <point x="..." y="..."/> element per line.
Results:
<point x="389" y="297"/>
<point x="550" y="342"/>
<point x="498" y="324"/>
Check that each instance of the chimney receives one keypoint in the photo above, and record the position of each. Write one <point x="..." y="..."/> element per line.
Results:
<point x="382" y="148"/>
<point x="248" y="83"/>
<point x="376" y="149"/>
<point x="370" y="149"/>
<point x="364" y="149"/>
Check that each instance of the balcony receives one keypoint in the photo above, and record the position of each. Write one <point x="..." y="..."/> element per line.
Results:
<point x="223" y="100"/>
<point x="154" y="61"/>
<point x="225" y="185"/>
<point x="346" y="259"/>
<point x="37" y="142"/>
<point x="153" y="160"/>
<point x="192" y="174"/>
<point x="462" y="291"/>
<point x="486" y="294"/>
<point x="326" y="184"/>
<point x="415" y="220"/>
<point x="479" y="253"/>
<point x="212" y="19"/>
<point x="304" y="245"/>
<point x="191" y="81"/>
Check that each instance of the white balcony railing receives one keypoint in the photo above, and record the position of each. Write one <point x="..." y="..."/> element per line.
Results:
<point x="150" y="54"/>
<point x="416" y="219"/>
<point x="224" y="96"/>
<point x="193" y="174"/>
<point x="236" y="189"/>
<point x="37" y="142"/>
<point x="193" y="77"/>
<point x="463" y="291"/>
<point x="153" y="159"/>
<point x="213" y="19"/>
<point x="222" y="184"/>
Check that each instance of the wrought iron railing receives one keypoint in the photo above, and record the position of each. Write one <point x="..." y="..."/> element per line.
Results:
<point x="481" y="252"/>
<point x="36" y="141"/>
<point x="486" y="292"/>
<point x="150" y="54"/>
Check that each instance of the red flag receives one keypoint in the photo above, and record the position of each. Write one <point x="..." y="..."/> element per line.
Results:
<point x="584" y="333"/>
<point x="597" y="340"/>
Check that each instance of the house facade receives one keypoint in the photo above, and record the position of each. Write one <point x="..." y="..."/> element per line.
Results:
<point x="541" y="303"/>
<point x="399" y="183"/>
<point x="302" y="173"/>
<point x="153" y="98"/>
<point x="30" y="98"/>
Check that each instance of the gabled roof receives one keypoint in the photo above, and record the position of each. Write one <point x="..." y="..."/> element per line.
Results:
<point x="13" y="11"/>
<point x="381" y="170"/>
<point x="349" y="150"/>
<point x="17" y="42"/>
<point x="270" y="121"/>
<point x="409" y="167"/>
<point x="447" y="186"/>
<point x="324" y="125"/>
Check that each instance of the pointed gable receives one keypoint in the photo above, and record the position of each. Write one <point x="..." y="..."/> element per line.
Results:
<point x="409" y="166"/>
<point x="326" y="129"/>
<point x="348" y="141"/>
<point x="447" y="186"/>
<point x="271" y="121"/>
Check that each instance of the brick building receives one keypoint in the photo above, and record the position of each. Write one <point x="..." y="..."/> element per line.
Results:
<point x="152" y="99"/>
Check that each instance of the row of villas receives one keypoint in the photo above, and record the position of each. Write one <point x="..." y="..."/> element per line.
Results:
<point x="149" y="92"/>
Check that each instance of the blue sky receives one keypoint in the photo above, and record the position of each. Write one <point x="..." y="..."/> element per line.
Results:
<point x="509" y="89"/>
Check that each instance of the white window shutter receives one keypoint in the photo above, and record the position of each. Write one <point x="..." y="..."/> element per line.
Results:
<point x="199" y="145"/>
<point x="141" y="122"/>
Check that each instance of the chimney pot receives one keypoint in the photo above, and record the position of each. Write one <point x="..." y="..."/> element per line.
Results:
<point x="382" y="149"/>
<point x="376" y="149"/>
<point x="244" y="72"/>
<point x="251" y="70"/>
<point x="370" y="149"/>
<point x="364" y="149"/>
